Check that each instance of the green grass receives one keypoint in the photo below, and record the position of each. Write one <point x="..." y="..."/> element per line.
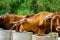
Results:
<point x="25" y="7"/>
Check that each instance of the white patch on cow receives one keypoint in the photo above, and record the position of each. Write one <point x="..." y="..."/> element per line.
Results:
<point x="49" y="15"/>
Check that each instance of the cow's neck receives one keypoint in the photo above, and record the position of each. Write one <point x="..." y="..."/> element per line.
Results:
<point x="35" y="19"/>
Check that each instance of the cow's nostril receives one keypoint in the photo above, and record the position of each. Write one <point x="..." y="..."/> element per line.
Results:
<point x="58" y="28"/>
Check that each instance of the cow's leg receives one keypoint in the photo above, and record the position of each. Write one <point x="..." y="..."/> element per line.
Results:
<point x="21" y="29"/>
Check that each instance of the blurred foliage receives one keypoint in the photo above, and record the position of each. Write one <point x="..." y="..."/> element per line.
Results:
<point x="25" y="7"/>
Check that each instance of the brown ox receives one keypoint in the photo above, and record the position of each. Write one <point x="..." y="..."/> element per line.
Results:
<point x="35" y="23"/>
<point x="6" y="21"/>
<point x="55" y="23"/>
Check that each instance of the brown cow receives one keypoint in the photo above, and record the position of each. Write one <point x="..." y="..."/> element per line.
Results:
<point x="55" y="24"/>
<point x="6" y="20"/>
<point x="35" y="23"/>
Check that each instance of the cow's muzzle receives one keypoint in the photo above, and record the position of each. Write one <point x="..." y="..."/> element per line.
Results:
<point x="58" y="28"/>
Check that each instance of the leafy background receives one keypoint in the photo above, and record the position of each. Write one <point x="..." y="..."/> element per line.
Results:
<point x="25" y="7"/>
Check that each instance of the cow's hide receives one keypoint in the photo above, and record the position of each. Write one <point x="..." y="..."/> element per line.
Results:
<point x="36" y="23"/>
<point x="6" y="21"/>
<point x="29" y="15"/>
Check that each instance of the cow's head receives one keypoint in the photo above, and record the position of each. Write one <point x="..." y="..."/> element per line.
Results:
<point x="56" y="22"/>
<point x="45" y="22"/>
<point x="53" y="21"/>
